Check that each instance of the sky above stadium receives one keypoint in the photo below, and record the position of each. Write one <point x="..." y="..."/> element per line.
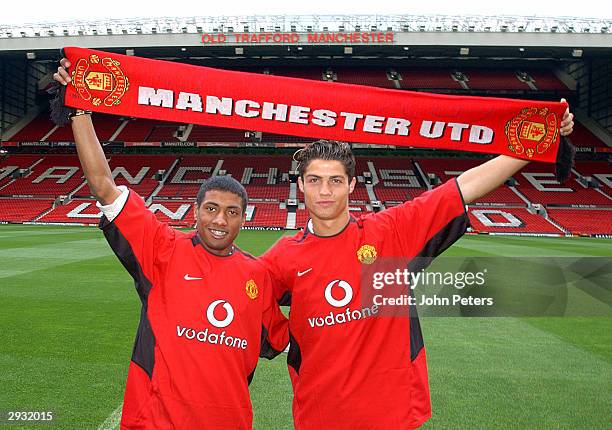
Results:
<point x="38" y="11"/>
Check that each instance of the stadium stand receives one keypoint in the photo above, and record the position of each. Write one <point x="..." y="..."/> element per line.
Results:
<point x="485" y="79"/>
<point x="583" y="221"/>
<point x="85" y="211"/>
<point x="106" y="125"/>
<point x="301" y="218"/>
<point x="267" y="215"/>
<point x="314" y="73"/>
<point x="446" y="169"/>
<point x="509" y="220"/>
<point x="163" y="133"/>
<point x="582" y="205"/>
<point x="175" y="213"/>
<point x="140" y="130"/>
<point x="546" y="80"/>
<point x="599" y="170"/>
<point x="184" y="181"/>
<point x="277" y="193"/>
<point x="537" y="183"/>
<point x="392" y="194"/>
<point x="77" y="211"/>
<point x="55" y="175"/>
<point x="138" y="172"/>
<point x="12" y="164"/>
<point x="421" y="79"/>
<point x="22" y="210"/>
<point x="174" y="200"/>
<point x="270" y="166"/>
<point x="36" y="129"/>
<point x="363" y="76"/>
<point x="582" y="136"/>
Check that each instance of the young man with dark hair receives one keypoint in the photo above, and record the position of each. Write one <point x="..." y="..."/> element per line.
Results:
<point x="350" y="367"/>
<point x="207" y="307"/>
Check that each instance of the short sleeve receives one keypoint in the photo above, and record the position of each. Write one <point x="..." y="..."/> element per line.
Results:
<point x="111" y="211"/>
<point x="429" y="224"/>
<point x="141" y="242"/>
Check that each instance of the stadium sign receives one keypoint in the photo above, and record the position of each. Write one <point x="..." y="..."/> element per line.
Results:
<point x="298" y="38"/>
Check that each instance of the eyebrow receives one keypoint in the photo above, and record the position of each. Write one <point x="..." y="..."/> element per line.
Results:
<point x="217" y="205"/>
<point x="310" y="175"/>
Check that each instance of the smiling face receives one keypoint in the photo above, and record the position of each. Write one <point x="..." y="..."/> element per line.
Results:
<point x="326" y="188"/>
<point x="219" y="219"/>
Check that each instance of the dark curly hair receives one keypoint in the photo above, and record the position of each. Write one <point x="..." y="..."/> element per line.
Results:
<point x="326" y="150"/>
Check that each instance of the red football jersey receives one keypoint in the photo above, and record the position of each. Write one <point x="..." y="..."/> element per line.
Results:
<point x="205" y="319"/>
<point x="349" y="367"/>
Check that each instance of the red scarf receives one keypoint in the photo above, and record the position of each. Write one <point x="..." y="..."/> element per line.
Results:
<point x="144" y="88"/>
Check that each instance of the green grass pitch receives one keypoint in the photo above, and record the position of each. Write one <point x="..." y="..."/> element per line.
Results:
<point x="68" y="314"/>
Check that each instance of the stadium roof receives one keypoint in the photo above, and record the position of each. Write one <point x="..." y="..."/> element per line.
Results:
<point x="307" y="23"/>
<point x="425" y="36"/>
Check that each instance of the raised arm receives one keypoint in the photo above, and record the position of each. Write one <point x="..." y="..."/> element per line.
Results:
<point x="92" y="158"/>
<point x="481" y="180"/>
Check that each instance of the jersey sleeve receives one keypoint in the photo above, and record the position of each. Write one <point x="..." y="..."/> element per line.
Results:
<point x="140" y="241"/>
<point x="429" y="224"/>
<point x="275" y="326"/>
<point x="281" y="287"/>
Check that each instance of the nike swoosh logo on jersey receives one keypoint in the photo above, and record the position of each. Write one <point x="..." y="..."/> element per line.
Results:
<point x="191" y="278"/>
<point x="304" y="272"/>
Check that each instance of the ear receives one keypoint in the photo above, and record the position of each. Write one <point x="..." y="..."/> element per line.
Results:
<point x="301" y="184"/>
<point x="352" y="185"/>
<point x="195" y="212"/>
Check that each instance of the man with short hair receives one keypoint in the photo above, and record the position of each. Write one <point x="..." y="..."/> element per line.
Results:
<point x="207" y="307"/>
<point x="351" y="367"/>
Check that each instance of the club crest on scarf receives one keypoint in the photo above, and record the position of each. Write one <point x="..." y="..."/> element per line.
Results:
<point x="532" y="131"/>
<point x="100" y="80"/>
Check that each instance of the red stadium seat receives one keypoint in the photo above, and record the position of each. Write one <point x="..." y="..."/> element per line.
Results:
<point x="36" y="129"/>
<point x="23" y="210"/>
<point x="414" y="79"/>
<point x="55" y="175"/>
<point x="487" y="79"/>
<point x="447" y="168"/>
<point x="509" y="220"/>
<point x="581" y="136"/>
<point x="583" y="221"/>
<point x="536" y="181"/>
<point x="267" y="215"/>
<point x="364" y="76"/>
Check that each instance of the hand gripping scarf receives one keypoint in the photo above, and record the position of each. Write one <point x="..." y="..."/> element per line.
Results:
<point x="144" y="88"/>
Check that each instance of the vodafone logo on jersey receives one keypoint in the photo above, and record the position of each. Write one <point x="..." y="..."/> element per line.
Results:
<point x="212" y="337"/>
<point x="333" y="291"/>
<point x="210" y="314"/>
<point x="339" y="284"/>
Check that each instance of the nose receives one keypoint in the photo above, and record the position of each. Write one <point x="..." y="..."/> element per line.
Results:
<point x="220" y="219"/>
<point x="325" y="189"/>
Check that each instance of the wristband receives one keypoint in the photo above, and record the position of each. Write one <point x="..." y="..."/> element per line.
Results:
<point x="79" y="112"/>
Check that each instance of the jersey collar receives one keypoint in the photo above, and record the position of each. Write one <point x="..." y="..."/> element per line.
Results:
<point x="310" y="230"/>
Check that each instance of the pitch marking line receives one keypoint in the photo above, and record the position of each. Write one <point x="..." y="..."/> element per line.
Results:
<point x="112" y="421"/>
